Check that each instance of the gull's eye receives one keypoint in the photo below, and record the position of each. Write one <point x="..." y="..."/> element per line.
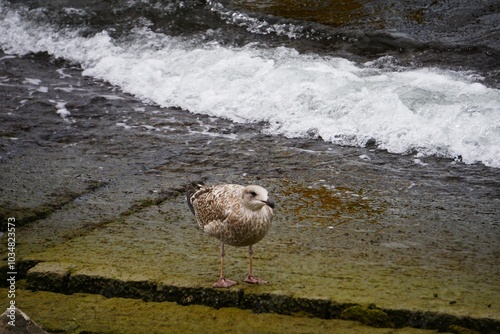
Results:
<point x="253" y="193"/>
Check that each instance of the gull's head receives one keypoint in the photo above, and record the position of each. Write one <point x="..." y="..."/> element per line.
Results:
<point x="256" y="197"/>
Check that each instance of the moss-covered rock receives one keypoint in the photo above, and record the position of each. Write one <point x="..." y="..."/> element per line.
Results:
<point x="48" y="276"/>
<point x="370" y="316"/>
<point x="89" y="313"/>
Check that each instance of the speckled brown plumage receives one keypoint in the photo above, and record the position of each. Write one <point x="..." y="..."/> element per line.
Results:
<point x="234" y="214"/>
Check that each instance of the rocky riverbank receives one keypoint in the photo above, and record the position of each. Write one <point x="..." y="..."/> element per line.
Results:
<point x="94" y="179"/>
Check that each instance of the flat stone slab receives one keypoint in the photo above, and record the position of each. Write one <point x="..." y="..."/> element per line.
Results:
<point x="158" y="254"/>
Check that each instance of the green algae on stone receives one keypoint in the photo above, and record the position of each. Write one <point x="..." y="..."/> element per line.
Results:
<point x="50" y="276"/>
<point x="245" y="298"/>
<point x="26" y="215"/>
<point x="87" y="313"/>
<point x="160" y="248"/>
<point x="370" y="316"/>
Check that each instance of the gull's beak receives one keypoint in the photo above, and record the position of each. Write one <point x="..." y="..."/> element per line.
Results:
<point x="269" y="203"/>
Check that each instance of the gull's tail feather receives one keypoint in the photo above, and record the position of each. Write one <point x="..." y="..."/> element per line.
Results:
<point x="191" y="188"/>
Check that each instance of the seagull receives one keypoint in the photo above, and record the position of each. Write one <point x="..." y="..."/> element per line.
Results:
<point x="236" y="215"/>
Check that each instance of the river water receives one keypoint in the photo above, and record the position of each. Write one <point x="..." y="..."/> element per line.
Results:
<point x="409" y="77"/>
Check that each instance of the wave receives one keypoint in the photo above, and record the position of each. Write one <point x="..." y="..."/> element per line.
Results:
<point x="427" y="111"/>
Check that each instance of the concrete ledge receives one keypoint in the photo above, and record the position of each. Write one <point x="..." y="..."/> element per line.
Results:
<point x="57" y="277"/>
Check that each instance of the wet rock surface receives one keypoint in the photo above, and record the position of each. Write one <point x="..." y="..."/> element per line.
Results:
<point x="94" y="179"/>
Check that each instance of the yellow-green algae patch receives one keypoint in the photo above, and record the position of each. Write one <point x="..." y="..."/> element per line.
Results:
<point x="87" y="313"/>
<point x="324" y="205"/>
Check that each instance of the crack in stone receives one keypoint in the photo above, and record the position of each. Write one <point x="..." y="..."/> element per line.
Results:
<point x="25" y="216"/>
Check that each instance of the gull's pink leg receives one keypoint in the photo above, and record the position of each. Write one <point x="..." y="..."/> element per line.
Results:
<point x="250" y="277"/>
<point x="223" y="282"/>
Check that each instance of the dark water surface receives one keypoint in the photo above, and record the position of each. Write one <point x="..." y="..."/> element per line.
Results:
<point x="408" y="76"/>
<point x="456" y="34"/>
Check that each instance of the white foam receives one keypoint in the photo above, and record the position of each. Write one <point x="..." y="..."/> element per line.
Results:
<point x="32" y="81"/>
<point x="255" y="25"/>
<point x="111" y="97"/>
<point x="149" y="127"/>
<point x="124" y="125"/>
<point x="427" y="110"/>
<point x="65" y="89"/>
<point x="62" y="74"/>
<point x="231" y="136"/>
<point x="62" y="111"/>
<point x="7" y="57"/>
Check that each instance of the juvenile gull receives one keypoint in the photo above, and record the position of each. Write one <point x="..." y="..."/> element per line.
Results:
<point x="234" y="214"/>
